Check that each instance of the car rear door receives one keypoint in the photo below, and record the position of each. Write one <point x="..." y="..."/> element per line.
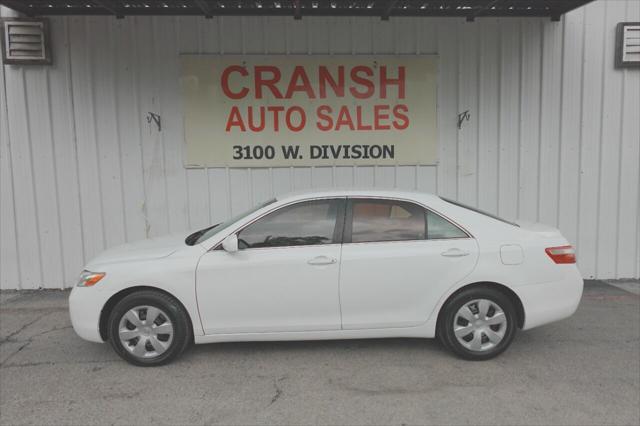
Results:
<point x="284" y="277"/>
<point x="398" y="259"/>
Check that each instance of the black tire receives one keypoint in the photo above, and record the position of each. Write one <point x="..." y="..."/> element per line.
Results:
<point x="182" y="332"/>
<point x="446" y="324"/>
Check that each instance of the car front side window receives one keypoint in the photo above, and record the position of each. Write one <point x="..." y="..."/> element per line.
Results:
<point x="302" y="224"/>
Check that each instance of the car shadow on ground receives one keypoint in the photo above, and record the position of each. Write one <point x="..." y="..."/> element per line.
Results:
<point x="430" y="345"/>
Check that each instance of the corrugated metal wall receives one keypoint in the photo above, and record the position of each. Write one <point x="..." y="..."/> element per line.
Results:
<point x="554" y="132"/>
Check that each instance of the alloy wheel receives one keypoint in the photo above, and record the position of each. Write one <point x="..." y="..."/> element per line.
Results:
<point x="145" y="331"/>
<point x="480" y="325"/>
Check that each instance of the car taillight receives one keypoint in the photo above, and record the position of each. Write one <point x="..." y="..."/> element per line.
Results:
<point x="562" y="254"/>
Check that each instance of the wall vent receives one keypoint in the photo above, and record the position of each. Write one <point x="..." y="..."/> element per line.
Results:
<point x="25" y="42"/>
<point x="628" y="44"/>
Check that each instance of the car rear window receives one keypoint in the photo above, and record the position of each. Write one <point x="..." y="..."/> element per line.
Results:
<point x="387" y="220"/>
<point x="482" y="212"/>
<point x="439" y="228"/>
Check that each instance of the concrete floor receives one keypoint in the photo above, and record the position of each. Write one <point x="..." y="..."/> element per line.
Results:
<point x="581" y="371"/>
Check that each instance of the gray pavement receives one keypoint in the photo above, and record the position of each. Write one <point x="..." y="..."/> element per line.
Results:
<point x="580" y="371"/>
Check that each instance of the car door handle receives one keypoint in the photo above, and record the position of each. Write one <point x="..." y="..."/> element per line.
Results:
<point x="454" y="252"/>
<point x="322" y="260"/>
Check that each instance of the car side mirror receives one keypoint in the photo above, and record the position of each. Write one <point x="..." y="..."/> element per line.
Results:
<point x="230" y="244"/>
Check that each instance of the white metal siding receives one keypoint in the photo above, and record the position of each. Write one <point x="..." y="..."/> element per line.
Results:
<point x="554" y="132"/>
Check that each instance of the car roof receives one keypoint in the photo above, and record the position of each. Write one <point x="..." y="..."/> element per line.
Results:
<point x="357" y="192"/>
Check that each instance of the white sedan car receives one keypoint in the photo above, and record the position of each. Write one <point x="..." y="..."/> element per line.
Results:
<point x="331" y="265"/>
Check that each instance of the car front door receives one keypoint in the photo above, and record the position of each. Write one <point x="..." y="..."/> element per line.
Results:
<point x="398" y="258"/>
<point x="284" y="277"/>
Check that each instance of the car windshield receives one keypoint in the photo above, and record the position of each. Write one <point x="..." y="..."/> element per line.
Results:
<point x="492" y="216"/>
<point x="204" y="234"/>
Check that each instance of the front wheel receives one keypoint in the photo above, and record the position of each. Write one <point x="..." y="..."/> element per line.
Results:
<point x="149" y="328"/>
<point x="478" y="323"/>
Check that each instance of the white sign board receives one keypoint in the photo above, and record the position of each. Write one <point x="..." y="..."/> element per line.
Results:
<point x="264" y="111"/>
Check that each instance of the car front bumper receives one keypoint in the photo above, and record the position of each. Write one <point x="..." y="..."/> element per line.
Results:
<point x="85" y="306"/>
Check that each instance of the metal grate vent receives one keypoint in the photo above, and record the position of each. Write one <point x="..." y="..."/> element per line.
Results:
<point x="25" y="42"/>
<point x="628" y="45"/>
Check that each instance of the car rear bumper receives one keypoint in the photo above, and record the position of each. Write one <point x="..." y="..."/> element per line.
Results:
<point x="85" y="305"/>
<point x="551" y="301"/>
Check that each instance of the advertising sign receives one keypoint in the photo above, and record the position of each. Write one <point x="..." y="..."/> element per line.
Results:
<point x="269" y="111"/>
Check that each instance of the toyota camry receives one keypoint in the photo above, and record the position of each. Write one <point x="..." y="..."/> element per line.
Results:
<point x="339" y="264"/>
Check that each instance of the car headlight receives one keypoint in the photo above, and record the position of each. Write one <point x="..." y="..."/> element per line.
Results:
<point x="88" y="279"/>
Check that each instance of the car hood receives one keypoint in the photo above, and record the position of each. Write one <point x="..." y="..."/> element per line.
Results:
<point x="152" y="248"/>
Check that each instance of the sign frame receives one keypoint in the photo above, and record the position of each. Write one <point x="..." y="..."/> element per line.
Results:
<point x="424" y="128"/>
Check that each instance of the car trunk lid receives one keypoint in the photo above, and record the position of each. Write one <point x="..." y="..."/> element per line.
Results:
<point x="540" y="229"/>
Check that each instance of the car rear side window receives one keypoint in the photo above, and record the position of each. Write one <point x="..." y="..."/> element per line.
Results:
<point x="439" y="228"/>
<point x="386" y="220"/>
<point x="301" y="224"/>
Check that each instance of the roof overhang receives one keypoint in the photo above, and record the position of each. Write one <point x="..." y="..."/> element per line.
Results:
<point x="298" y="8"/>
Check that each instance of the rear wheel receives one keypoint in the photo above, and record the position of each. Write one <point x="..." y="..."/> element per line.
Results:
<point x="149" y="328"/>
<point x="478" y="323"/>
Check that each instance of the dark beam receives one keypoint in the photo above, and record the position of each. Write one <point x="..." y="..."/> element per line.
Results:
<point x="111" y="7"/>
<point x="387" y="10"/>
<point x="297" y="12"/>
<point x="475" y="13"/>
<point x="382" y="8"/>
<point x="204" y="7"/>
<point x="48" y="11"/>
<point x="565" y="7"/>
<point x="18" y="6"/>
